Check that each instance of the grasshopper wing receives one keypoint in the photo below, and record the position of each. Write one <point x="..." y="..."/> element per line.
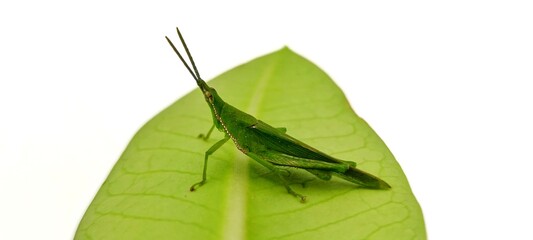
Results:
<point x="277" y="140"/>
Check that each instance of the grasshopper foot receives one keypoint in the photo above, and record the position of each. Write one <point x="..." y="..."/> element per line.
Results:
<point x="303" y="199"/>
<point x="300" y="196"/>
<point x="196" y="186"/>
<point x="202" y="136"/>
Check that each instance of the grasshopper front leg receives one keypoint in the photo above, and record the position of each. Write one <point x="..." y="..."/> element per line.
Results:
<point x="210" y="151"/>
<point x="206" y="136"/>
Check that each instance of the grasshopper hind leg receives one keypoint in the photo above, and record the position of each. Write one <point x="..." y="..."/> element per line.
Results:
<point x="279" y="172"/>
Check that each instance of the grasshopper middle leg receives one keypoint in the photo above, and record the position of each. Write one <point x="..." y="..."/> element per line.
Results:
<point x="210" y="151"/>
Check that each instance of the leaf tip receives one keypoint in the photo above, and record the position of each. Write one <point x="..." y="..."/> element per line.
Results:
<point x="285" y="48"/>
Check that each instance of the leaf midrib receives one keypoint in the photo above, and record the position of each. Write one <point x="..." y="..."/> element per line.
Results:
<point x="235" y="225"/>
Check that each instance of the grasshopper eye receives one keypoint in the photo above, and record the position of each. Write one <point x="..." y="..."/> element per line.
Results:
<point x="208" y="95"/>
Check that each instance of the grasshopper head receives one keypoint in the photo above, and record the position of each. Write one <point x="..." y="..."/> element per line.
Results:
<point x="210" y="94"/>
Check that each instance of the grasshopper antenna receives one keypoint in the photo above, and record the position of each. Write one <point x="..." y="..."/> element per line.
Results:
<point x="188" y="53"/>
<point x="196" y="77"/>
<point x="181" y="58"/>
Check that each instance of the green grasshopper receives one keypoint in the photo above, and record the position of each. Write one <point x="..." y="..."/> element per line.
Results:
<point x="270" y="146"/>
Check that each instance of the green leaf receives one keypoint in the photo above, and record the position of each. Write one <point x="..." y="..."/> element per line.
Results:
<point x="146" y="195"/>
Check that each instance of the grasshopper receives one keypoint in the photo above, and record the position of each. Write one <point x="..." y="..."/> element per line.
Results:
<point x="270" y="146"/>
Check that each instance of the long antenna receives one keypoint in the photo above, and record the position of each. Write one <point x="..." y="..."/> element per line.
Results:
<point x="188" y="53"/>
<point x="181" y="58"/>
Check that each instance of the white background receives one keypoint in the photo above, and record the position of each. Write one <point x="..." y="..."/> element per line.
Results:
<point x="446" y="85"/>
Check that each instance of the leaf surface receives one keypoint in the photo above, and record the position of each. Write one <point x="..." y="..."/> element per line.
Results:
<point x="146" y="195"/>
